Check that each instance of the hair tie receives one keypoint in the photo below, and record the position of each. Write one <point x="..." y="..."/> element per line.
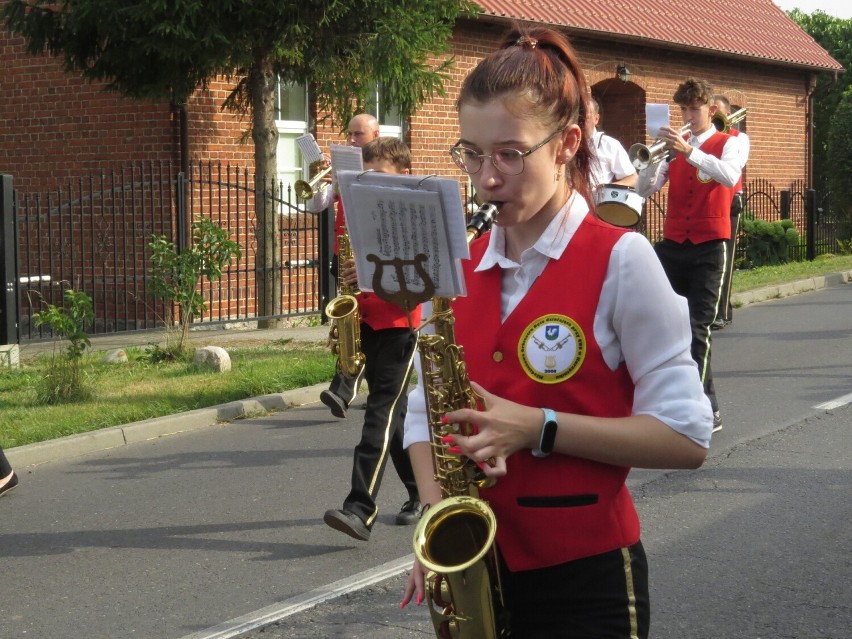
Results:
<point x="526" y="41"/>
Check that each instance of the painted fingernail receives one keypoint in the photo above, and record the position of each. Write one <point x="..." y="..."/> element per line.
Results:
<point x="455" y="450"/>
<point x="448" y="439"/>
<point x="445" y="420"/>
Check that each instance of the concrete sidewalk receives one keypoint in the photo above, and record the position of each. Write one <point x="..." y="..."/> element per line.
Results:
<point x="74" y="445"/>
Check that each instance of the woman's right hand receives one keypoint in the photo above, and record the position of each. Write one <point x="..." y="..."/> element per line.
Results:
<point x="416" y="585"/>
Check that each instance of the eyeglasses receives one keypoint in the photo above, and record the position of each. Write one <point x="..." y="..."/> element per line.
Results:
<point x="507" y="161"/>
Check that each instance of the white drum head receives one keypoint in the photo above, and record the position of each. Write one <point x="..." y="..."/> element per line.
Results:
<point x="618" y="205"/>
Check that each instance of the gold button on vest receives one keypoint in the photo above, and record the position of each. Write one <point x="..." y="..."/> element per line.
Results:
<point x="498" y="356"/>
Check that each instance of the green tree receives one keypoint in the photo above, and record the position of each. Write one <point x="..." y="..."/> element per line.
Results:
<point x="340" y="48"/>
<point x="835" y="36"/>
<point x="839" y="157"/>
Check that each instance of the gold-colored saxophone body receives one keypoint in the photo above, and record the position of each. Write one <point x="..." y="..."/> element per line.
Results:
<point x="454" y="539"/>
<point x="344" y="337"/>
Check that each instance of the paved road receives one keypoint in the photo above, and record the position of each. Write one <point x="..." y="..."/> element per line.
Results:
<point x="174" y="537"/>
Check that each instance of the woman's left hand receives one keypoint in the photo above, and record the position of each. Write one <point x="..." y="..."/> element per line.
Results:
<point x="504" y="427"/>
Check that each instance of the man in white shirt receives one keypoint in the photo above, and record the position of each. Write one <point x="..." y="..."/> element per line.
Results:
<point x="613" y="166"/>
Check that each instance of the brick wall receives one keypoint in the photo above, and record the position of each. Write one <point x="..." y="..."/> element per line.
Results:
<point x="54" y="125"/>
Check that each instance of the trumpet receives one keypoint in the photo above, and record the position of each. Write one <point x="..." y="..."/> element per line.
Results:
<point x="642" y="156"/>
<point x="305" y="189"/>
<point x="723" y="123"/>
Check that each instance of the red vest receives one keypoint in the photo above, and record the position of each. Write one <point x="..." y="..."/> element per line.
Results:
<point x="698" y="210"/>
<point x="559" y="508"/>
<point x="738" y="187"/>
<point x="374" y="311"/>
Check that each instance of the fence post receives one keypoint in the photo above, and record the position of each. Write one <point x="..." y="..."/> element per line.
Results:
<point x="8" y="271"/>
<point x="785" y="203"/>
<point x="811" y="211"/>
<point x="327" y="279"/>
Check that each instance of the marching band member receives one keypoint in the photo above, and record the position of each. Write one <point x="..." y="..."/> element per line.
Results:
<point x="701" y="177"/>
<point x="725" y="311"/>
<point x="576" y="343"/>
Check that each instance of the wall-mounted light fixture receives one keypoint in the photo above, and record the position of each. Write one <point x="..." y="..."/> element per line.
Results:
<point x="622" y="72"/>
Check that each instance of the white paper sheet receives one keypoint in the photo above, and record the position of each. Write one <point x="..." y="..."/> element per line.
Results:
<point x="392" y="216"/>
<point x="656" y="117"/>
<point x="309" y="148"/>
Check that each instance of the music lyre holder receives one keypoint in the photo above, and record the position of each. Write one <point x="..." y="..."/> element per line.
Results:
<point x="406" y="298"/>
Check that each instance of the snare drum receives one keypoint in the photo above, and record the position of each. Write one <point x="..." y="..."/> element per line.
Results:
<point x="619" y="205"/>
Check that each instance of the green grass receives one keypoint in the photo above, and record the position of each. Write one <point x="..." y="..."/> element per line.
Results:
<point x="772" y="275"/>
<point x="137" y="390"/>
<point x="125" y="393"/>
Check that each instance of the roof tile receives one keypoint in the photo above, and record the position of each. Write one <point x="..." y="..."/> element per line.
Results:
<point x="742" y="28"/>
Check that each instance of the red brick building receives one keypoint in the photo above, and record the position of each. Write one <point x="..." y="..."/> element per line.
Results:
<point x="54" y="125"/>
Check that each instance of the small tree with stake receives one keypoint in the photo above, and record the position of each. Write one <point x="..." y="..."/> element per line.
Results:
<point x="176" y="276"/>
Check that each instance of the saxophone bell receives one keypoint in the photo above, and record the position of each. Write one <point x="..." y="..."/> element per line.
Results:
<point x="454" y="540"/>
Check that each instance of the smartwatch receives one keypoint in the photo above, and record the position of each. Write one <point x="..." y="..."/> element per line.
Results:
<point x="548" y="434"/>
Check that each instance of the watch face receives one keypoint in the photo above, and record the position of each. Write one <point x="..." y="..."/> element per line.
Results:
<point x="548" y="437"/>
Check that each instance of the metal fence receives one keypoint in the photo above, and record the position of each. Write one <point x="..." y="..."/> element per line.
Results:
<point x="818" y="232"/>
<point x="93" y="235"/>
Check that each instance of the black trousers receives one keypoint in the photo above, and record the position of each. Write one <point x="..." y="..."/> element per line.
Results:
<point x="389" y="359"/>
<point x="599" y="597"/>
<point x="697" y="272"/>
<point x="5" y="466"/>
<point x="725" y="311"/>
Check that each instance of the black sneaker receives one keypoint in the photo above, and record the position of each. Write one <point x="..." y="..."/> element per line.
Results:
<point x="8" y="483"/>
<point x="718" y="325"/>
<point x="334" y="402"/>
<point x="409" y="513"/>
<point x="348" y="523"/>
<point x="717" y="421"/>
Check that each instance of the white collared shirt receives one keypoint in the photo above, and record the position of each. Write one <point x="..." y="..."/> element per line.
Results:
<point x="639" y="320"/>
<point x="725" y="170"/>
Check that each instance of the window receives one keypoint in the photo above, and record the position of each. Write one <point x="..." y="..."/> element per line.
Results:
<point x="390" y="121"/>
<point x="291" y="118"/>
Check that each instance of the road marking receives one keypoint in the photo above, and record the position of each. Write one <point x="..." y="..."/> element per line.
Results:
<point x="835" y="403"/>
<point x="276" y="612"/>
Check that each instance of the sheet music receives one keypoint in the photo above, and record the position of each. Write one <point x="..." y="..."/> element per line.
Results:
<point x="656" y="117"/>
<point x="398" y="216"/>
<point x="309" y="148"/>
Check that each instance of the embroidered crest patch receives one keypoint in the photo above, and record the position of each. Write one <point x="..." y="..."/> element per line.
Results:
<point x="552" y="349"/>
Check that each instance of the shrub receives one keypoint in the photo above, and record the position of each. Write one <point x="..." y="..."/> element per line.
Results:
<point x="767" y="243"/>
<point x="176" y="276"/>
<point x="63" y="380"/>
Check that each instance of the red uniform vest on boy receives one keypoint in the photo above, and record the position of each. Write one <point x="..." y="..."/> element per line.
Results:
<point x="374" y="311"/>
<point x="558" y="508"/>
<point x="699" y="209"/>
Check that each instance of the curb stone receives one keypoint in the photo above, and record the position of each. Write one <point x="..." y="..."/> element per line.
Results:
<point x="75" y="445"/>
<point x="104" y="439"/>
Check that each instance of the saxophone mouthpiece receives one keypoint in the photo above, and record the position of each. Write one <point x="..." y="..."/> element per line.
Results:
<point x="482" y="219"/>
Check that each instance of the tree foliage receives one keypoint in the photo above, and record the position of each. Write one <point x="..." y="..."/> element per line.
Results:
<point x="340" y="49"/>
<point x="835" y="36"/>
<point x="839" y="158"/>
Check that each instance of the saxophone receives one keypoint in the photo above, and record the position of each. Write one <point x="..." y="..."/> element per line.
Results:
<point x="344" y="337"/>
<point x="454" y="539"/>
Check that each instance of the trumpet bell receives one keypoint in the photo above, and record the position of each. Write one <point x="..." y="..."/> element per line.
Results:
<point x="305" y="189"/>
<point x="723" y="123"/>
